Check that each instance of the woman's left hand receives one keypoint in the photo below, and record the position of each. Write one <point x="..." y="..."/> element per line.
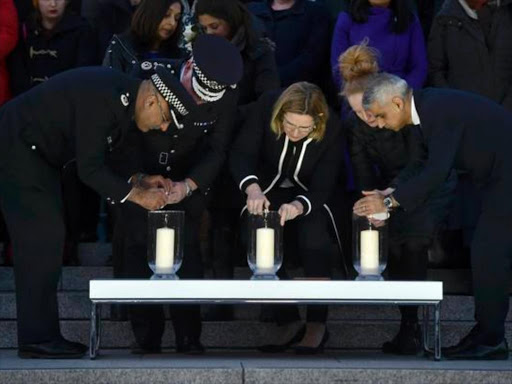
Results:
<point x="290" y="211"/>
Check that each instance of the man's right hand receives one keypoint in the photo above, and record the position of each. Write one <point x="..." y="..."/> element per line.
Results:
<point x="256" y="200"/>
<point x="151" y="199"/>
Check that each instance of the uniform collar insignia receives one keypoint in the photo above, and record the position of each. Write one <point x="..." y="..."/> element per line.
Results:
<point x="125" y="99"/>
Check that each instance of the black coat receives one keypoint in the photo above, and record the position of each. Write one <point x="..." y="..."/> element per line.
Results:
<point x="302" y="39"/>
<point x="466" y="132"/>
<point x="461" y="58"/>
<point x="80" y="114"/>
<point x="123" y="54"/>
<point x="258" y="155"/>
<point x="113" y="17"/>
<point x="40" y="56"/>
<point x="196" y="151"/>
<point x="377" y="157"/>
<point x="260" y="73"/>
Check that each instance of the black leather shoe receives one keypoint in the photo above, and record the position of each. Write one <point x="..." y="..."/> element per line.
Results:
<point x="138" y="349"/>
<point x="190" y="347"/>
<point x="470" y="349"/>
<point x="57" y="349"/>
<point x="408" y="340"/>
<point x="303" y="350"/>
<point x="195" y="348"/>
<point x="276" y="348"/>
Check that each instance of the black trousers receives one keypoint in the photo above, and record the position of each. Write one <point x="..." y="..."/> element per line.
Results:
<point x="81" y="205"/>
<point x="148" y="321"/>
<point x="407" y="260"/>
<point x="30" y="198"/>
<point x="491" y="262"/>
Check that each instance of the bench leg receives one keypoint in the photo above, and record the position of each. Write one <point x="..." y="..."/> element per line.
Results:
<point x="95" y="331"/>
<point x="426" y="323"/>
<point x="437" y="332"/>
<point x="436" y="352"/>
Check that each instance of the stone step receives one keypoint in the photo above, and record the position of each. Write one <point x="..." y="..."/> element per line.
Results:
<point x="248" y="334"/>
<point x="76" y="305"/>
<point x="247" y="367"/>
<point x="89" y="254"/>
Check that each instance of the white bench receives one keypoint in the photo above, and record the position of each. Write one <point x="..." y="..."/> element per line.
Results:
<point x="423" y="293"/>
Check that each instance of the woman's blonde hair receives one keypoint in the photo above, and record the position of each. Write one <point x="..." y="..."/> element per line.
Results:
<point x="305" y="99"/>
<point x="358" y="65"/>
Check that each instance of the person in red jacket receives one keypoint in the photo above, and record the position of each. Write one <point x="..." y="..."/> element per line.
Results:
<point x="8" y="40"/>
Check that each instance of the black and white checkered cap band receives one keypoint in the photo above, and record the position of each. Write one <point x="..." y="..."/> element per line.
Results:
<point x="167" y="94"/>
<point x="209" y="83"/>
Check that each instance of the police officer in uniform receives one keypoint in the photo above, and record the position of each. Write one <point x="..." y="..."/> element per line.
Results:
<point x="203" y="96"/>
<point x="80" y="115"/>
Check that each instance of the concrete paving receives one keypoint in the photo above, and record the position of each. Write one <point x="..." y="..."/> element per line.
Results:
<point x="119" y="366"/>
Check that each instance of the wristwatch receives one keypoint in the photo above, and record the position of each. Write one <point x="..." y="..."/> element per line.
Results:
<point x="388" y="202"/>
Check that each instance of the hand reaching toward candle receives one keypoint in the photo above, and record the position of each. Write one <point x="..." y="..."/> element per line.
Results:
<point x="151" y="199"/>
<point x="376" y="223"/>
<point x="385" y="192"/>
<point x="370" y="204"/>
<point x="256" y="200"/>
<point x="178" y="192"/>
<point x="156" y="181"/>
<point x="290" y="211"/>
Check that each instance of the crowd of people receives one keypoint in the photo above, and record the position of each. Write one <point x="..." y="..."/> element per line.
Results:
<point x="315" y="109"/>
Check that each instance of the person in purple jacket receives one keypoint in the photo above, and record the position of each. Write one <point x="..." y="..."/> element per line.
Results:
<point x="391" y="27"/>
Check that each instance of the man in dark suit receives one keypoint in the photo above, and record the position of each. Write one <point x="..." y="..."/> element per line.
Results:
<point x="469" y="133"/>
<point x="80" y="115"/>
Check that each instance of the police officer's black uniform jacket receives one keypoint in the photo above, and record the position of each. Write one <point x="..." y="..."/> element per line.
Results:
<point x="197" y="149"/>
<point x="311" y="166"/>
<point x="80" y="114"/>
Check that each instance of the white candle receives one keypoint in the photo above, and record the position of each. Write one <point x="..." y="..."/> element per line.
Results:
<point x="265" y="238"/>
<point x="164" y="249"/>
<point x="369" y="251"/>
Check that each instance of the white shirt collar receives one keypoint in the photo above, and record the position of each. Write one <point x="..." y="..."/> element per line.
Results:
<point x="470" y="12"/>
<point x="414" y="113"/>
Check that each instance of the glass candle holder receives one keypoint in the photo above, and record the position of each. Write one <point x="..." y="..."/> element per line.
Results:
<point x="265" y="245"/>
<point x="369" y="246"/>
<point x="165" y="243"/>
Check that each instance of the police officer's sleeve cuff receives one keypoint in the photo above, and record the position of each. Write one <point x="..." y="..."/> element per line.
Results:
<point x="112" y="201"/>
<point x="251" y="179"/>
<point x="305" y="203"/>
<point x="126" y="197"/>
